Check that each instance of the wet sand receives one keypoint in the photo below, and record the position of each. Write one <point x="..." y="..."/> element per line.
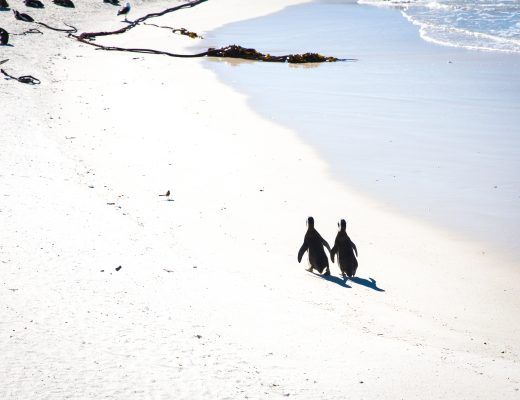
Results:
<point x="429" y="131"/>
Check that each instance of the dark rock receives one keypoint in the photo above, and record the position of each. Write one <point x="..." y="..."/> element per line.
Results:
<point x="64" y="3"/>
<point x="22" y="16"/>
<point x="4" y="37"/>
<point x="34" y="3"/>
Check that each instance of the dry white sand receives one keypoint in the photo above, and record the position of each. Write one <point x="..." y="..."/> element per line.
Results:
<point x="210" y="301"/>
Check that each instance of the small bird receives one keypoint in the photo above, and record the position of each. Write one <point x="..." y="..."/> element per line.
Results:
<point x="64" y="3"/>
<point x="167" y="195"/>
<point x="124" y="11"/>
<point x="4" y="37"/>
<point x="34" y="3"/>
<point x="4" y="5"/>
<point x="22" y="16"/>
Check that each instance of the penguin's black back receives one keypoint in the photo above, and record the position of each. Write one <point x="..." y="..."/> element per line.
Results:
<point x="317" y="257"/>
<point x="346" y="258"/>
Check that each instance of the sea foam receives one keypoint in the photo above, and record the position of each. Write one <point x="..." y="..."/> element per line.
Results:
<point x="490" y="25"/>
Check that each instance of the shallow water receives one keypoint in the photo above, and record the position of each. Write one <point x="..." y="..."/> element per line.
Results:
<point x="431" y="131"/>
<point x="492" y="25"/>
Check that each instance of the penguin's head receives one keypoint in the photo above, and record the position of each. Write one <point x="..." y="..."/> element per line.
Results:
<point x="310" y="222"/>
<point x="342" y="225"/>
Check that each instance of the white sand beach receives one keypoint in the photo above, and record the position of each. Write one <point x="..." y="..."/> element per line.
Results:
<point x="210" y="301"/>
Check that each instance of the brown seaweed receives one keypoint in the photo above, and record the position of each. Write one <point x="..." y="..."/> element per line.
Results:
<point x="235" y="51"/>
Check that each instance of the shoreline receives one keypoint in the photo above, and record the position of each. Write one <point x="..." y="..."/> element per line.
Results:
<point x="210" y="300"/>
<point x="488" y="41"/>
<point x="465" y="189"/>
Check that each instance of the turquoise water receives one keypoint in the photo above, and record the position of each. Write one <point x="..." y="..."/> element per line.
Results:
<point x="430" y="131"/>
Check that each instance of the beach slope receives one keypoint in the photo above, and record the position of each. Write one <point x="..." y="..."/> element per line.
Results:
<point x="110" y="290"/>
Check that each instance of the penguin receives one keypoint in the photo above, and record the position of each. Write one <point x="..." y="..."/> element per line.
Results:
<point x="313" y="242"/>
<point x="125" y="10"/>
<point x="64" y="3"/>
<point x="34" y="3"/>
<point x="22" y="16"/>
<point x="4" y="37"/>
<point x="4" y="5"/>
<point x="345" y="248"/>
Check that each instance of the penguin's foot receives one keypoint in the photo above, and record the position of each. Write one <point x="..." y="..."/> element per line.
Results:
<point x="309" y="269"/>
<point x="327" y="272"/>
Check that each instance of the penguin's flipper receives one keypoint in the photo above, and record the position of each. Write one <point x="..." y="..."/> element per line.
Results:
<point x="302" y="251"/>
<point x="355" y="248"/>
<point x="333" y="252"/>
<point x="325" y="244"/>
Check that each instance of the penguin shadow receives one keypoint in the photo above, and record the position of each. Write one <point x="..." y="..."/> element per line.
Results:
<point x="369" y="283"/>
<point x="333" y="279"/>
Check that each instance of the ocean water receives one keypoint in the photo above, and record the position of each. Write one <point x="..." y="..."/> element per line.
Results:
<point x="492" y="25"/>
<point x="429" y="131"/>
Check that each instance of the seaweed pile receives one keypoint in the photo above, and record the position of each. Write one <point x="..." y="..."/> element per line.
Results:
<point x="89" y="38"/>
<point x="235" y="51"/>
